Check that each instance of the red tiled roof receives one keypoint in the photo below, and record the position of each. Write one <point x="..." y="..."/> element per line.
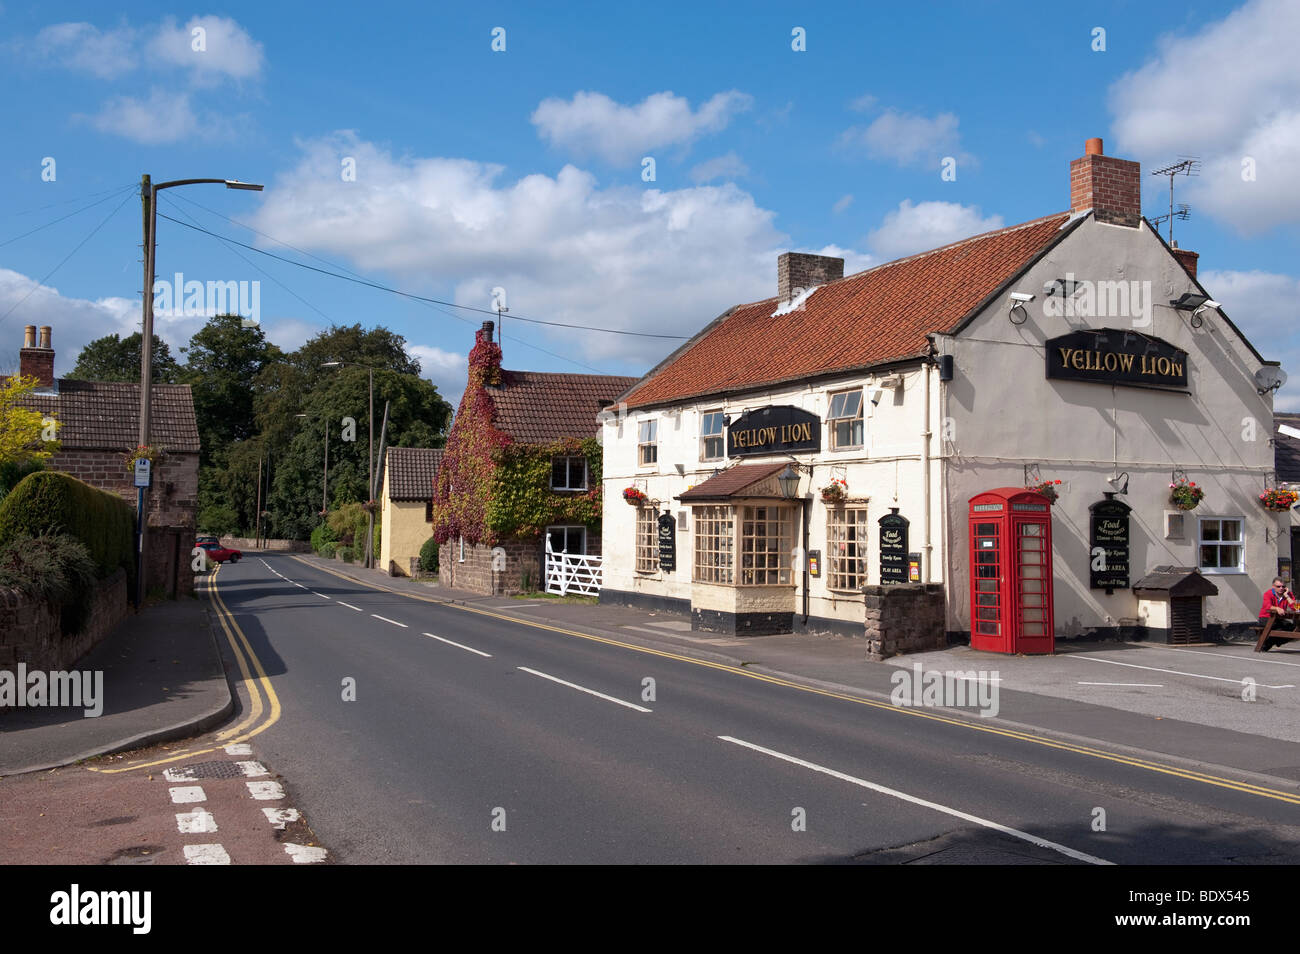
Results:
<point x="732" y="481"/>
<point x="105" y="415"/>
<point x="534" y="407"/>
<point x="411" y="471"/>
<point x="865" y="319"/>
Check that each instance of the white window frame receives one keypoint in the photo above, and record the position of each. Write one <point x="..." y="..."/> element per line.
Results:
<point x="765" y="543"/>
<point x="462" y="550"/>
<point x="566" y="527"/>
<point x="1239" y="543"/>
<point x="838" y="520"/>
<point x="720" y="436"/>
<point x="647" y="439"/>
<point x="647" y="540"/>
<point x="568" y="471"/>
<point x="713" y="549"/>
<point x="832" y="422"/>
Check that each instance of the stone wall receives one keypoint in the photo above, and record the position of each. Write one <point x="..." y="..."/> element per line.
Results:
<point x="904" y="618"/>
<point x="29" y="628"/>
<point x="248" y="543"/>
<point x="173" y="497"/>
<point x="523" y="559"/>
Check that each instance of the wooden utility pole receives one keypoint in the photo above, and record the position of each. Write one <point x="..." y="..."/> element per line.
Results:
<point x="146" y="374"/>
<point x="257" y="533"/>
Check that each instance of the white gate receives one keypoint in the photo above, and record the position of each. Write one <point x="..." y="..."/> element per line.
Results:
<point x="567" y="574"/>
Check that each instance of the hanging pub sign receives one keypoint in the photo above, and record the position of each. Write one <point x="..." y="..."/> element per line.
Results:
<point x="894" y="557"/>
<point x="667" y="542"/>
<point x="1108" y="545"/>
<point x="782" y="429"/>
<point x="1116" y="356"/>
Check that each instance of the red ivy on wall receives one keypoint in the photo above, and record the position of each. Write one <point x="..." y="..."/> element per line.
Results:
<point x="462" y="489"/>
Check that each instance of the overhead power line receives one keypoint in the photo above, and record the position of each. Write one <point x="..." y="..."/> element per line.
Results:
<point x="414" y="297"/>
<point x="112" y="195"/>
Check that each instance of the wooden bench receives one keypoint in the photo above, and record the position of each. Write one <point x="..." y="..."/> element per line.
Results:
<point x="1268" y="639"/>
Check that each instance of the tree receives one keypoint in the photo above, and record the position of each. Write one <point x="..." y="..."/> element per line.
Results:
<point x="224" y="361"/>
<point x="112" y="358"/>
<point x="25" y="434"/>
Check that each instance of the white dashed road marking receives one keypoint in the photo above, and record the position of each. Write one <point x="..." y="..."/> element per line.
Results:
<point x="1134" y="685"/>
<point x="198" y="822"/>
<point x="279" y="817"/>
<point x="387" y="620"/>
<point x="252" y="769"/>
<point x="322" y="595"/>
<point x="185" y="794"/>
<point x="590" y="692"/>
<point x="206" y="855"/>
<point x="1172" y="672"/>
<point x="185" y="774"/>
<point x="350" y="606"/>
<point x="305" y="854"/>
<point x="265" y="791"/>
<point x="894" y="793"/>
<point x="239" y="748"/>
<point x="458" y="645"/>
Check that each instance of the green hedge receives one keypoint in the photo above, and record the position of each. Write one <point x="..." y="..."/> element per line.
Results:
<point x="54" y="568"/>
<point x="326" y="550"/>
<point x="50" y="502"/>
<point x="345" y="554"/>
<point x="322" y="535"/>
<point x="429" y="556"/>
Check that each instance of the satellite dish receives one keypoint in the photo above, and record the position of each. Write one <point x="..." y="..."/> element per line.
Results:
<point x="1269" y="378"/>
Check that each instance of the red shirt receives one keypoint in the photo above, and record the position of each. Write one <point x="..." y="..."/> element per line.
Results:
<point x="1286" y="601"/>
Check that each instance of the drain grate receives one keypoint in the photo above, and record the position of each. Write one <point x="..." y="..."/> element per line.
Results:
<point x="212" y="770"/>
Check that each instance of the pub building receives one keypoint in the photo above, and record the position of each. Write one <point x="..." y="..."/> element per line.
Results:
<point x="887" y="427"/>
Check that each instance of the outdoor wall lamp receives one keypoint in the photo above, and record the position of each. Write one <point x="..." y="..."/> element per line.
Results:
<point x="1119" y="482"/>
<point x="788" y="480"/>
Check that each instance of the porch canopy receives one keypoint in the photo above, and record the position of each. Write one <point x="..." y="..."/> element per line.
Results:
<point x="744" y="480"/>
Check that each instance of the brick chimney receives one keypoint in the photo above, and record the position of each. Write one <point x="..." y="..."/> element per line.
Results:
<point x="1111" y="187"/>
<point x="486" y="332"/>
<point x="797" y="270"/>
<point x="34" y="361"/>
<point x="1186" y="259"/>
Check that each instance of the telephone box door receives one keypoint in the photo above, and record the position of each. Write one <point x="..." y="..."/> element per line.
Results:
<point x="1011" y="572"/>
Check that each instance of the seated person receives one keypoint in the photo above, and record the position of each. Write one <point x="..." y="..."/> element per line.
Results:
<point x="1278" y="601"/>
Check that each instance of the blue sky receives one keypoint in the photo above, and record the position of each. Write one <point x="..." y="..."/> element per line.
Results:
<point x="523" y="169"/>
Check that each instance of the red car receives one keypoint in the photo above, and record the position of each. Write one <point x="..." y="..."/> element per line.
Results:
<point x="219" y="554"/>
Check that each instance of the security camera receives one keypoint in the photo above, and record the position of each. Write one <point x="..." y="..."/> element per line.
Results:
<point x="1211" y="303"/>
<point x="874" y="394"/>
<point x="1021" y="297"/>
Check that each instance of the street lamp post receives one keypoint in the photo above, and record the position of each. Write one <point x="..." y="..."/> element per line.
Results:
<point x="149" y="195"/>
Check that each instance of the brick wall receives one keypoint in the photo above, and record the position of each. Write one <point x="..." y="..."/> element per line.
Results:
<point x="904" y="618"/>
<point x="173" y="497"/>
<point x="523" y="558"/>
<point x="29" y="628"/>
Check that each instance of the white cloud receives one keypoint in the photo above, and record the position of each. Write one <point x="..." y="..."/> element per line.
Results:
<point x="730" y="166"/>
<point x="226" y="50"/>
<point x="593" y="124"/>
<point x="1266" y="307"/>
<point x="918" y="227"/>
<point x="906" y="138"/>
<point x="1225" y="93"/>
<point x="446" y="369"/>
<point x="842" y="203"/>
<point x="86" y="48"/>
<point x="563" y="248"/>
<point x="863" y="103"/>
<point x="164" y="117"/>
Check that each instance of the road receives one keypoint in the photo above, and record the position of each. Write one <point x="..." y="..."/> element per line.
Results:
<point x="478" y="739"/>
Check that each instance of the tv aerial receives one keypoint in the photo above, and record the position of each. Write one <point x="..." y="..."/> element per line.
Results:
<point x="1187" y="166"/>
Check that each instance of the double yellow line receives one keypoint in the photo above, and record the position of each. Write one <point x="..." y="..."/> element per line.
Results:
<point x="1192" y="775"/>
<point x="261" y="714"/>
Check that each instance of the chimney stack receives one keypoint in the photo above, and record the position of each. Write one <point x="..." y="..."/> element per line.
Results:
<point x="797" y="271"/>
<point x="37" y="362"/>
<point x="486" y="331"/>
<point x="1186" y="259"/>
<point x="1111" y="187"/>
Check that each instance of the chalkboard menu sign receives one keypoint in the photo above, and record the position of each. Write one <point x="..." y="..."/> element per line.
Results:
<point x="667" y="543"/>
<point x="1108" y="545"/>
<point x="893" y="547"/>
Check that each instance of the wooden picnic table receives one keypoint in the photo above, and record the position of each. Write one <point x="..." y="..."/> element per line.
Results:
<point x="1268" y="638"/>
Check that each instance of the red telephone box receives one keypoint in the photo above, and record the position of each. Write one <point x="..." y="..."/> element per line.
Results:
<point x="1011" y="572"/>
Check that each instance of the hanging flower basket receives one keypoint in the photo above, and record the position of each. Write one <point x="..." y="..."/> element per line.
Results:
<point x="1279" y="501"/>
<point x="1048" y="489"/>
<point x="155" y="455"/>
<point x="635" y="497"/>
<point x="837" y="491"/>
<point x="1184" y="494"/>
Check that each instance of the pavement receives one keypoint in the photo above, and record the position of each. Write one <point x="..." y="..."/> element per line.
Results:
<point x="163" y="679"/>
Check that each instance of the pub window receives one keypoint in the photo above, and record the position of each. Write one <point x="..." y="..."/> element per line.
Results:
<point x="569" y="473"/>
<point x="846" y="548"/>
<point x="765" y="543"/>
<point x="647" y="448"/>
<point x="845" y="420"/>
<point x="647" y="540"/>
<point x="711" y="442"/>
<point x="1223" y="547"/>
<point x="428" y="511"/>
<point x="714" y="544"/>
